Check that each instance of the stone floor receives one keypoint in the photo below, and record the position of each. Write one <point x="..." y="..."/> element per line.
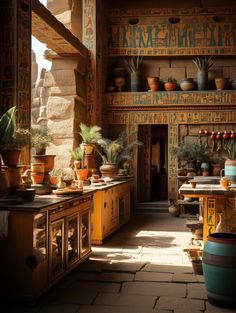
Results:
<point x="140" y="269"/>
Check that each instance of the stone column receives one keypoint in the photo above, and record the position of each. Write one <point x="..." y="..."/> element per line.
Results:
<point x="64" y="107"/>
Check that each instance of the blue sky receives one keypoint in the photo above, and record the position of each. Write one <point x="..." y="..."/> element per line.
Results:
<point x="39" y="48"/>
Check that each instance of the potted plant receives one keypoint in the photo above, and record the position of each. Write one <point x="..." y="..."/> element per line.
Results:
<point x="114" y="152"/>
<point x="40" y="139"/>
<point x="134" y="63"/>
<point x="203" y="65"/>
<point x="90" y="135"/>
<point x="230" y="163"/>
<point x="205" y="168"/>
<point x="55" y="174"/>
<point x="12" y="139"/>
<point x="78" y="157"/>
<point x="170" y="84"/>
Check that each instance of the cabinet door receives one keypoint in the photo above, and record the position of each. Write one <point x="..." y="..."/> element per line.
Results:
<point x="40" y="237"/>
<point x="84" y="232"/>
<point x="72" y="237"/>
<point x="123" y="207"/>
<point x="56" y="248"/>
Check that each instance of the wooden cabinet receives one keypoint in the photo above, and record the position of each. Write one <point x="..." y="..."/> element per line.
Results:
<point x="44" y="244"/>
<point x="111" y="210"/>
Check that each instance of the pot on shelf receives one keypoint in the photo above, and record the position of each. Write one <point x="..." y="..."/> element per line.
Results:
<point x="170" y="86"/>
<point x="202" y="80"/>
<point x="187" y="84"/>
<point x="135" y="81"/>
<point x="153" y="83"/>
<point x="221" y="83"/>
<point x="10" y="157"/>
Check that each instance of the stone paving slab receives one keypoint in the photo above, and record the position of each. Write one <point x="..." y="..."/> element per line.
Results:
<point x="167" y="268"/>
<point x="152" y="276"/>
<point x="162" y="250"/>
<point x="156" y="289"/>
<point x="196" y="291"/>
<point x="162" y="259"/>
<point x="126" y="299"/>
<point x="174" y="303"/>
<point x="123" y="266"/>
<point x="115" y="277"/>
<point x="186" y="278"/>
<point x="60" y="308"/>
<point x="116" y="309"/>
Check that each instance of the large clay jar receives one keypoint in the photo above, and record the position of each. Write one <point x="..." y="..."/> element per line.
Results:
<point x="221" y="83"/>
<point x="187" y="84"/>
<point x="174" y="210"/>
<point x="108" y="170"/>
<point x="10" y="157"/>
<point x="153" y="83"/>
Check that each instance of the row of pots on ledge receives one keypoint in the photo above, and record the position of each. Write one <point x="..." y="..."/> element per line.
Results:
<point x="170" y="84"/>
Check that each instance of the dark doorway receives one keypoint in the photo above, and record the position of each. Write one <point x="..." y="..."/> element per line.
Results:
<point x="152" y="176"/>
<point x="159" y="162"/>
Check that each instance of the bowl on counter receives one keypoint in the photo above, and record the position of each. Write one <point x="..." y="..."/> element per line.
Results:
<point x="26" y="194"/>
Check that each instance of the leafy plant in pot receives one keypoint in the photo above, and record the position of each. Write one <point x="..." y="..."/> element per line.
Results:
<point x="78" y="157"/>
<point x="114" y="152"/>
<point x="230" y="163"/>
<point x="170" y="83"/>
<point x="12" y="139"/>
<point x="40" y="139"/>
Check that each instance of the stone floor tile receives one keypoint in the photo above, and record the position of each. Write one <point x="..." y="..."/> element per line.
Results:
<point x="132" y="249"/>
<point x="74" y="296"/>
<point x="200" y="278"/>
<point x="162" y="259"/>
<point x="156" y="289"/>
<point x="115" y="277"/>
<point x="182" y="277"/>
<point x="18" y="308"/>
<point x="126" y="299"/>
<point x="130" y="267"/>
<point x="91" y="265"/>
<point x="174" y="303"/>
<point x="115" y="309"/>
<point x="60" y="308"/>
<point x="162" y="250"/>
<point x="186" y="311"/>
<point x="152" y="276"/>
<point x="167" y="268"/>
<point x="196" y="291"/>
<point x="213" y="309"/>
<point x="96" y="286"/>
<point x="86" y="276"/>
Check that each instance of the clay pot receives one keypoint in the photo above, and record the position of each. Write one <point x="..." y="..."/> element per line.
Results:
<point x="53" y="180"/>
<point x="82" y="173"/>
<point x="187" y="84"/>
<point x="37" y="167"/>
<point x="14" y="176"/>
<point x="108" y="170"/>
<point x="202" y="80"/>
<point x="37" y="178"/>
<point x="233" y="84"/>
<point x="119" y="83"/>
<point x="10" y="157"/>
<point x="216" y="169"/>
<point x="77" y="164"/>
<point x="221" y="83"/>
<point x="170" y="86"/>
<point x="153" y="83"/>
<point x="48" y="161"/>
<point x="174" y="210"/>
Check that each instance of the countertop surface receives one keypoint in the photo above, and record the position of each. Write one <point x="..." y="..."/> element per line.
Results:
<point x="208" y="189"/>
<point x="42" y="201"/>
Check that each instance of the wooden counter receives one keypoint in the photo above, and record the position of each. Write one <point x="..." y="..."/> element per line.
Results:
<point x="213" y="201"/>
<point x="46" y="239"/>
<point x="111" y="209"/>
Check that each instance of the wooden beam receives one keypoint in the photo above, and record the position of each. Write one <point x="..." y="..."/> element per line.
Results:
<point x="46" y="28"/>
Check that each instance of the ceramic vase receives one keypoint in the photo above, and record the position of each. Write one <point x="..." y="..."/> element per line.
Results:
<point x="187" y="84"/>
<point x="135" y="81"/>
<point x="202" y="80"/>
<point x="153" y="83"/>
<point x="221" y="83"/>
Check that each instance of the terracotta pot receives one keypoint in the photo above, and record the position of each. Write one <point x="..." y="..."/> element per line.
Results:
<point x="187" y="84"/>
<point x="14" y="176"/>
<point x="170" y="86"/>
<point x="77" y="164"/>
<point x="108" y="170"/>
<point x="119" y="83"/>
<point x="153" y="83"/>
<point x="37" y="178"/>
<point x="37" y="167"/>
<point x="10" y="157"/>
<point x="48" y="161"/>
<point x="53" y="180"/>
<point x="82" y="173"/>
<point x="221" y="83"/>
<point x="174" y="210"/>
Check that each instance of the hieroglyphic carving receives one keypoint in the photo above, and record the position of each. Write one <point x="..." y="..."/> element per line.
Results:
<point x="172" y="160"/>
<point x="163" y="98"/>
<point x="153" y="34"/>
<point x="92" y="26"/>
<point x="16" y="58"/>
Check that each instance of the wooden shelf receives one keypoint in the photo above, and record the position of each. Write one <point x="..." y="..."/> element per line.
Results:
<point x="183" y="202"/>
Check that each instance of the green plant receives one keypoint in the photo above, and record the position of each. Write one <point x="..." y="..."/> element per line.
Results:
<point x="19" y="139"/>
<point x="7" y="126"/>
<point x="116" y="151"/>
<point x="203" y="63"/>
<point x="40" y="137"/>
<point x="191" y="151"/>
<point x="56" y="172"/>
<point x="170" y="79"/>
<point x="77" y="154"/>
<point x="134" y="63"/>
<point x="90" y="134"/>
<point x="231" y="148"/>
